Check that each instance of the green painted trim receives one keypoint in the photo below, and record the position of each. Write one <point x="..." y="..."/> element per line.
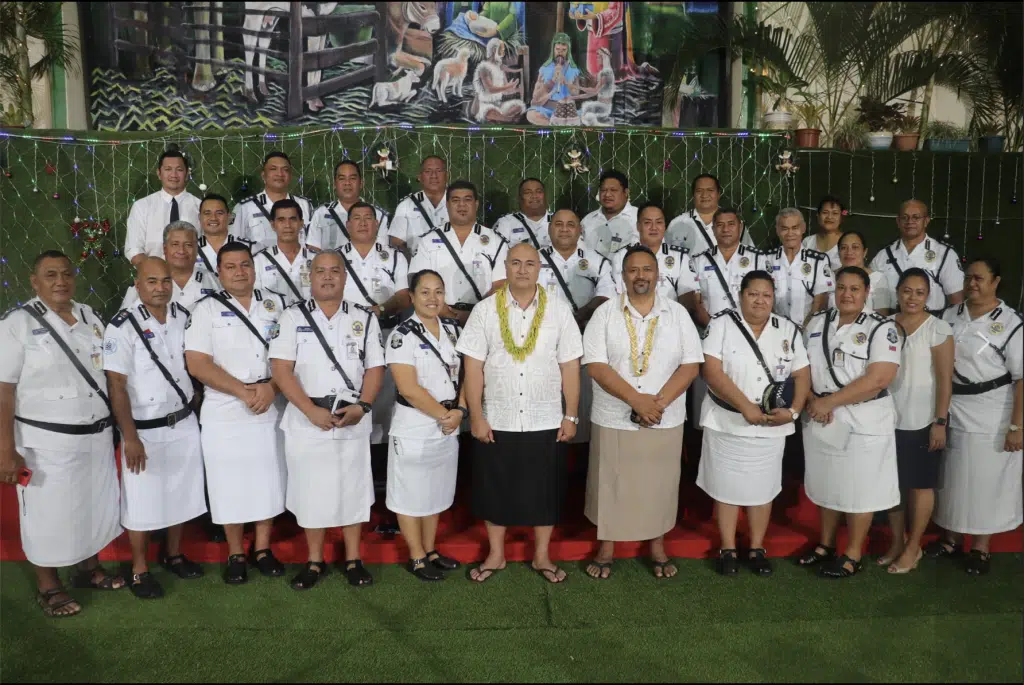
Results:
<point x="59" y="97"/>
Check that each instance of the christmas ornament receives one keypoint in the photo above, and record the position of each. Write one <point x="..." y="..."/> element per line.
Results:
<point x="222" y="172"/>
<point x="872" y="198"/>
<point x="384" y="163"/>
<point x="202" y="187"/>
<point x="667" y="166"/>
<point x="91" y="233"/>
<point x="56" y="196"/>
<point x="574" y="164"/>
<point x="8" y="174"/>
<point x="786" y="164"/>
<point x="50" y="169"/>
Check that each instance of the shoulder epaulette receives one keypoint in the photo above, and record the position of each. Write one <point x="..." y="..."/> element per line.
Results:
<point x="724" y="312"/>
<point x="175" y="305"/>
<point x="815" y="253"/>
<point x="300" y="197"/>
<point x="450" y="321"/>
<point x="310" y="305"/>
<point x="786" y="318"/>
<point x="820" y="312"/>
<point x="119" y="318"/>
<point x="359" y="306"/>
<point x="202" y="241"/>
<point x="251" y="198"/>
<point x="679" y="248"/>
<point x="878" y="317"/>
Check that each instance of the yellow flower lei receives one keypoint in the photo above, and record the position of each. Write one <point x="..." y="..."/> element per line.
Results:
<point x="520" y="353"/>
<point x="640" y="367"/>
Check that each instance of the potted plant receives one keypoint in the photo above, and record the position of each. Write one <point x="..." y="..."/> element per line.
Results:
<point x="780" y="118"/>
<point x="850" y="134"/>
<point x="990" y="136"/>
<point x="942" y="136"/>
<point x="909" y="134"/>
<point x="809" y="113"/>
<point x="880" y="119"/>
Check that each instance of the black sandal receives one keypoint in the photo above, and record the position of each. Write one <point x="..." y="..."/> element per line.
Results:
<point x="757" y="560"/>
<point x="236" y="572"/>
<point x="978" y="562"/>
<point x="442" y="562"/>
<point x="600" y="566"/>
<point x="183" y="567"/>
<point x="310" y="575"/>
<point x="837" y="568"/>
<point x="50" y="608"/>
<point x="357" y="574"/>
<point x="85" y="580"/>
<point x="267" y="563"/>
<point x="728" y="562"/>
<point x="425" y="570"/>
<point x="816" y="557"/>
<point x="940" y="548"/>
<point x="145" y="586"/>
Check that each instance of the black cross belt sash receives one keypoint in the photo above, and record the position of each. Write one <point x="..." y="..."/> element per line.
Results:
<point x="983" y="387"/>
<point x="722" y="403"/>
<point x="168" y="421"/>
<point x="71" y="428"/>
<point x="327" y="402"/>
<point x="341" y="224"/>
<point x="447" y="404"/>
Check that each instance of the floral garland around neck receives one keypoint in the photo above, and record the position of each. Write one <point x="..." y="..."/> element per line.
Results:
<point x="641" y="366"/>
<point x="520" y="353"/>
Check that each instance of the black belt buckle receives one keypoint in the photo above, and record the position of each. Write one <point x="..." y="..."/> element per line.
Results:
<point x="172" y="419"/>
<point x="104" y="424"/>
<point x="448" y="404"/>
<point x="463" y="306"/>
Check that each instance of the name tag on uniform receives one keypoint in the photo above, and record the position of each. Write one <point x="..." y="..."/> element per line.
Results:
<point x="352" y="349"/>
<point x="838" y="358"/>
<point x="815" y="335"/>
<point x="616" y="239"/>
<point x="206" y="291"/>
<point x="38" y="331"/>
<point x="375" y="284"/>
<point x="709" y="268"/>
<point x="424" y="346"/>
<point x="518" y="230"/>
<point x="268" y="267"/>
<point x="227" y="313"/>
<point x="437" y="240"/>
<point x="304" y="329"/>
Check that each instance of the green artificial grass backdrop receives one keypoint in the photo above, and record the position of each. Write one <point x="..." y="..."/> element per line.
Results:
<point x="933" y="625"/>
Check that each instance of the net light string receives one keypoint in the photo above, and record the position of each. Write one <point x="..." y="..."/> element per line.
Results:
<point x="967" y="198"/>
<point x="981" y="202"/>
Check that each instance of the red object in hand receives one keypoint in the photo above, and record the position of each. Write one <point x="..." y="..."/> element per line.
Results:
<point x="24" y="476"/>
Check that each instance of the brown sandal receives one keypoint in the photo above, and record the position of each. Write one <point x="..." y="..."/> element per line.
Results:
<point x="51" y="609"/>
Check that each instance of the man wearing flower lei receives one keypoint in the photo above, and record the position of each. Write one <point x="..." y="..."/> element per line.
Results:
<point x="521" y="350"/>
<point x="642" y="351"/>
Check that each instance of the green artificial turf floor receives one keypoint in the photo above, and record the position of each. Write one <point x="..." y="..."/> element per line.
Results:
<point x="935" y="624"/>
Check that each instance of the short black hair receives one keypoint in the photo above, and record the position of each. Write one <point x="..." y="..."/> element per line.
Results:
<point x="856" y="233"/>
<point x="214" y="197"/>
<point x="693" y="183"/>
<point x="48" y="254"/>
<point x="359" y="172"/>
<point x="527" y="180"/>
<point x="615" y="175"/>
<point x="414" y="278"/>
<point x="460" y="185"/>
<point x="649" y="205"/>
<point x="726" y="210"/>
<point x="437" y="157"/>
<point x="232" y="246"/>
<point x="991" y="262"/>
<point x="362" y="205"/>
<point x="172" y="154"/>
<point x="830" y="200"/>
<point x="756" y="275"/>
<point x="287" y="203"/>
<point x="856" y="271"/>
<point x="637" y="249"/>
<point x="275" y="153"/>
<point x="914" y="272"/>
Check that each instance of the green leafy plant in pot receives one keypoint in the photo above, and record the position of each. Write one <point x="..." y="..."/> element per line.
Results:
<point x="809" y="113"/>
<point x="942" y="136"/>
<point x="780" y="117"/>
<point x="990" y="136"/>
<point x="909" y="134"/>
<point x="880" y="119"/>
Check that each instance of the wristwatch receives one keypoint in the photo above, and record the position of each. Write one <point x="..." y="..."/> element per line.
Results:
<point x="940" y="421"/>
<point x="366" y="406"/>
<point x="465" y="412"/>
<point x="796" y="416"/>
<point x="575" y="420"/>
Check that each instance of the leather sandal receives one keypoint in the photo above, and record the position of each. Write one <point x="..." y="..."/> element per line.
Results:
<point x="978" y="562"/>
<point x="816" y="557"/>
<point x="425" y="570"/>
<point x="837" y="568"/>
<point x="145" y="586"/>
<point x="728" y="562"/>
<point x="940" y="548"/>
<point x="442" y="562"/>
<point x="757" y="560"/>
<point x="236" y="572"/>
<point x="86" y="580"/>
<point x="357" y="574"/>
<point x="310" y="575"/>
<point x="183" y="567"/>
<point x="51" y="609"/>
<point x="267" y="563"/>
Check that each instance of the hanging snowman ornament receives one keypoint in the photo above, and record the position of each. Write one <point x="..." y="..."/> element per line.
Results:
<point x="384" y="163"/>
<point x="786" y="165"/>
<point x="575" y="165"/>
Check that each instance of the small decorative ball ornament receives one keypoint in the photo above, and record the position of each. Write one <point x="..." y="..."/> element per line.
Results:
<point x="56" y="196"/>
<point x="35" y="189"/>
<point x="50" y="169"/>
<point x="222" y="172"/>
<point x="872" y="198"/>
<point x="895" y="180"/>
<point x="202" y="187"/>
<point x="8" y="174"/>
<point x="1013" y="200"/>
<point x="997" y="222"/>
<point x="77" y="220"/>
<point x="667" y="165"/>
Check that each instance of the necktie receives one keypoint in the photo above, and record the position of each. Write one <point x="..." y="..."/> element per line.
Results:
<point x="174" y="210"/>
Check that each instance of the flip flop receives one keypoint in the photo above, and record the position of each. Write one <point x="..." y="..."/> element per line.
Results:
<point x="553" y="578"/>
<point x="480" y="570"/>
<point x="601" y="566"/>
<point x="655" y="565"/>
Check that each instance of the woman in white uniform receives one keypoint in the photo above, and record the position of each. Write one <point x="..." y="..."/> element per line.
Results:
<point x="745" y="353"/>
<point x="423" y="453"/>
<point x="826" y="238"/>
<point x="849" y="437"/>
<point x="853" y="251"/>
<point x="921" y="393"/>
<point x="980" y="492"/>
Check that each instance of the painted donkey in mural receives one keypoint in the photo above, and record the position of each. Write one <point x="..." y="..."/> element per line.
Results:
<point x="260" y="27"/>
<point x="400" y="16"/>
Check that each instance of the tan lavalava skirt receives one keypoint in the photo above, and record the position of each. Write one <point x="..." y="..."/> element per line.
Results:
<point x="633" y="482"/>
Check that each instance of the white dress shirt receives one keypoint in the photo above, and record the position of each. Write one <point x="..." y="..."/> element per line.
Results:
<point x="869" y="339"/>
<point x="149" y="392"/>
<point x="251" y="219"/>
<point x="383" y="272"/>
<point x="936" y="257"/>
<point x="522" y="396"/>
<point x="606" y="341"/>
<point x="608" y="235"/>
<point x="582" y="272"/>
<point x="811" y="242"/>
<point x="483" y="254"/>
<point x="411" y="221"/>
<point x="516" y="228"/>
<point x="676" y="274"/>
<point x="439" y="378"/>
<point x="689" y="230"/>
<point x="715" y="298"/>
<point x="325" y="233"/>
<point x="782" y="347"/>
<point x="149" y="217"/>
<point x="914" y="388"/>
<point x="880" y="294"/>
<point x="199" y="286"/>
<point x="206" y="256"/>
<point x="355" y="340"/>
<point x="798" y="282"/>
<point x="269" y="264"/>
<point x="50" y="388"/>
<point x="986" y="348"/>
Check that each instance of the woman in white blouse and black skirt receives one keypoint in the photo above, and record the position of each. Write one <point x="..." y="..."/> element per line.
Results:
<point x="921" y="393"/>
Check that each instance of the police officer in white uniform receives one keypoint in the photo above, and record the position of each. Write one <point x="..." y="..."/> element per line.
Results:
<point x="613" y="226"/>
<point x="849" y="434"/>
<point x="329" y="363"/>
<point x="530" y="223"/>
<point x="226" y="343"/>
<point x="55" y="422"/>
<point x="162" y="461"/>
<point x="980" y="489"/>
<point x="149" y="215"/>
<point x="251" y="216"/>
<point x="328" y="229"/>
<point x="802" y="276"/>
<point x="190" y="281"/>
<point x="214" y="220"/>
<point x="694" y="228"/>
<point x="423" y="211"/>
<point x="470" y="257"/>
<point x="916" y="248"/>
<point x="284" y="268"/>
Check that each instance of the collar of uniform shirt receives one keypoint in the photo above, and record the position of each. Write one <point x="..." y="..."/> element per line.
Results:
<point x="510" y="299"/>
<point x="657" y="309"/>
<point x="624" y="209"/>
<point x="167" y="197"/>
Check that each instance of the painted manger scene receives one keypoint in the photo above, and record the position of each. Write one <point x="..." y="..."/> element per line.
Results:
<point x="213" y="65"/>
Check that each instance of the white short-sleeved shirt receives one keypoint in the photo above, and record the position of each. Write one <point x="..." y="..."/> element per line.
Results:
<point x="936" y="257"/>
<point x="326" y="234"/>
<point x="880" y="294"/>
<point x="582" y="272"/>
<point x="269" y="264"/>
<point x="782" y="347"/>
<point x="986" y="348"/>
<point x="483" y="255"/>
<point x="869" y="339"/>
<point x="383" y="272"/>
<point x="744" y="260"/>
<point x="214" y="330"/>
<point x="518" y="228"/>
<point x="689" y="230"/>
<point x="606" y="341"/>
<point x="253" y="223"/>
<point x="355" y="340"/>
<point x="412" y="220"/>
<point x="50" y="388"/>
<point x="676" y="274"/>
<point x="606" y="235"/>
<point x="439" y="377"/>
<point x="124" y="352"/>
<point x="811" y="243"/>
<point x="148" y="218"/>
<point x="522" y="396"/>
<point x="197" y="287"/>
<point x="206" y="256"/>
<point x="797" y="283"/>
<point x="913" y="390"/>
